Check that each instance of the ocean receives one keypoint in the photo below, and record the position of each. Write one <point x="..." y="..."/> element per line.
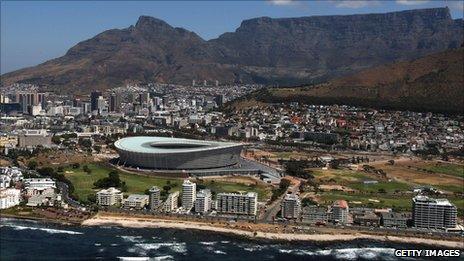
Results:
<point x="36" y="240"/>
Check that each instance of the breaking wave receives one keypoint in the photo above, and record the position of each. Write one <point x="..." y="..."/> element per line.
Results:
<point x="48" y="230"/>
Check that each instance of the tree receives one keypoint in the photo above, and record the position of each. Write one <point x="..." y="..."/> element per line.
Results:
<point x="56" y="140"/>
<point x="60" y="169"/>
<point x="111" y="181"/>
<point x="86" y="169"/>
<point x="32" y="164"/>
<point x="308" y="202"/>
<point x="92" y="198"/>
<point x="284" y="184"/>
<point x="75" y="165"/>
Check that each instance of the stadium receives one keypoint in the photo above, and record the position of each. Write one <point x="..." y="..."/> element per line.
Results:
<point x="161" y="153"/>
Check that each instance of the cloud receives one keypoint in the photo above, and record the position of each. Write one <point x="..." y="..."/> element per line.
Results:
<point x="281" y="2"/>
<point x="355" y="4"/>
<point x="411" y="2"/>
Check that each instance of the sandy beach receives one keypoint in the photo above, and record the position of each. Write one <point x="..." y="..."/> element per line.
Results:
<point x="148" y="222"/>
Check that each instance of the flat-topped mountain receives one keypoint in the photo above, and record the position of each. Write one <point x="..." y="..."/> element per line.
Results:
<point x="431" y="83"/>
<point x="283" y="51"/>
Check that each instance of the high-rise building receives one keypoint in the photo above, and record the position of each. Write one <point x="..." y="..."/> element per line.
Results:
<point x="94" y="96"/>
<point x="203" y="201"/>
<point x="109" y="197"/>
<point x="291" y="206"/>
<point x="340" y="211"/>
<point x="155" y="197"/>
<point x="29" y="99"/>
<point x="144" y="98"/>
<point x="433" y="213"/>
<point x="115" y="102"/>
<point x="236" y="203"/>
<point x="188" y="194"/>
<point x="220" y="99"/>
<point x="171" y="202"/>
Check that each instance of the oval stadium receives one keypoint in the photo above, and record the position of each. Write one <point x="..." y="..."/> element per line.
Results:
<point x="162" y="153"/>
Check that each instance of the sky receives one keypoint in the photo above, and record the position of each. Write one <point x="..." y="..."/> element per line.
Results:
<point x="33" y="32"/>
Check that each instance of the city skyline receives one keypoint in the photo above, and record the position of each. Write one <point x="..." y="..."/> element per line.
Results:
<point x="23" y="21"/>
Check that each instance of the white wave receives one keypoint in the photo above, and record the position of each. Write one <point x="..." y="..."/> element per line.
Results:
<point x="97" y="244"/>
<point x="48" y="230"/>
<point x="208" y="243"/>
<point x="132" y="239"/>
<point x="225" y="242"/>
<point x="345" y="253"/>
<point x="163" y="258"/>
<point x="254" y="248"/>
<point x="174" y="246"/>
<point x="114" y="245"/>
<point x="220" y="252"/>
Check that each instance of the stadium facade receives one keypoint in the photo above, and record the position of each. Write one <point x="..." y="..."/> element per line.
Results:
<point x="161" y="153"/>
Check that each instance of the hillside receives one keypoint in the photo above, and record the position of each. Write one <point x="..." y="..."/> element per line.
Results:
<point x="431" y="83"/>
<point x="285" y="51"/>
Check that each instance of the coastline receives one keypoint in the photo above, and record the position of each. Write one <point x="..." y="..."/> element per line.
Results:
<point x="152" y="222"/>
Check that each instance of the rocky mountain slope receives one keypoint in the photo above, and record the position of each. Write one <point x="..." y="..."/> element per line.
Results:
<point x="431" y="83"/>
<point x="284" y="51"/>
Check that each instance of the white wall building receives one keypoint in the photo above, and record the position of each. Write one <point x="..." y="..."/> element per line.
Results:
<point x="235" y="203"/>
<point x="155" y="197"/>
<point x="291" y="206"/>
<point x="171" y="202"/>
<point x="136" y="201"/>
<point x="109" y="197"/>
<point x="188" y="195"/>
<point x="9" y="198"/>
<point x="203" y="201"/>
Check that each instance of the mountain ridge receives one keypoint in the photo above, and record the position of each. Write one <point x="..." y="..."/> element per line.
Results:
<point x="431" y="83"/>
<point x="284" y="51"/>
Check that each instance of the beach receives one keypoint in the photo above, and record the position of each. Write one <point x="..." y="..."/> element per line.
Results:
<point x="103" y="219"/>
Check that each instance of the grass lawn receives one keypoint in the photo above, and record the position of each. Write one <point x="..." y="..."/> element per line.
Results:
<point x="83" y="182"/>
<point x="387" y="186"/>
<point x="385" y="201"/>
<point x="448" y="169"/>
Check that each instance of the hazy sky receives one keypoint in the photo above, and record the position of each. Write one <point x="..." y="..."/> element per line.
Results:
<point x="35" y="31"/>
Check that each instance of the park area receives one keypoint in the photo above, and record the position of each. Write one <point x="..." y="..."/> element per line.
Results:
<point x="84" y="176"/>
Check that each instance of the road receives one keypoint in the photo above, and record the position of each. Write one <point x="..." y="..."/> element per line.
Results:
<point x="63" y="187"/>
<point x="274" y="208"/>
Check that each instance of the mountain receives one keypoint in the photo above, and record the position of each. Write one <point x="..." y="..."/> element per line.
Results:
<point x="285" y="51"/>
<point x="432" y="83"/>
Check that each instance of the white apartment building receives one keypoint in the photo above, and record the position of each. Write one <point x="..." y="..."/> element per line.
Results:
<point x="109" y="197"/>
<point x="291" y="206"/>
<point x="136" y="201"/>
<point x="203" y="201"/>
<point x="340" y="211"/>
<point x="433" y="213"/>
<point x="189" y="190"/>
<point x="155" y="197"/>
<point x="236" y="203"/>
<point x="9" y="198"/>
<point x="39" y="183"/>
<point x="171" y="202"/>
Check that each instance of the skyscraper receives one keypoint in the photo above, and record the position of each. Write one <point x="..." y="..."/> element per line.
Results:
<point x="94" y="100"/>
<point x="188" y="194"/>
<point x="115" y="102"/>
